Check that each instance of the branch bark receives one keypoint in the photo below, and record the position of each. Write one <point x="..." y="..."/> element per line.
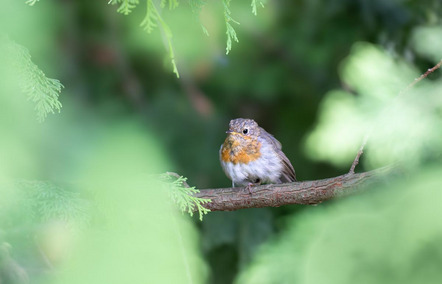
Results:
<point x="275" y="195"/>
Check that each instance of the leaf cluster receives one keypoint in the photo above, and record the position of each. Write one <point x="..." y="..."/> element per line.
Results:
<point x="38" y="202"/>
<point x="153" y="19"/>
<point x="390" y="234"/>
<point x="183" y="197"/>
<point x="126" y="6"/>
<point x="41" y="90"/>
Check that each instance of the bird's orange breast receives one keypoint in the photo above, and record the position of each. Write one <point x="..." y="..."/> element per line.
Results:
<point x="243" y="152"/>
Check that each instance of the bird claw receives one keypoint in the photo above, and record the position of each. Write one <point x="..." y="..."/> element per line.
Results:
<point x="249" y="187"/>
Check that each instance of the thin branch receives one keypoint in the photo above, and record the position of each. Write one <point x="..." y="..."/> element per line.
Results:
<point x="356" y="160"/>
<point x="275" y="195"/>
<point x="423" y="76"/>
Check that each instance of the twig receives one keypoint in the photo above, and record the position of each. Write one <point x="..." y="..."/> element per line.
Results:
<point x="356" y="160"/>
<point x="423" y="76"/>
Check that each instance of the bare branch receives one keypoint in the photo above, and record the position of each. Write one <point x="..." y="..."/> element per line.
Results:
<point x="275" y="195"/>
<point x="356" y="160"/>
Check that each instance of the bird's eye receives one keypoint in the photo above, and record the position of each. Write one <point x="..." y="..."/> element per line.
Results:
<point x="245" y="131"/>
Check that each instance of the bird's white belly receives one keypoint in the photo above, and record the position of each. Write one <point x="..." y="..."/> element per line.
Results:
<point x="266" y="168"/>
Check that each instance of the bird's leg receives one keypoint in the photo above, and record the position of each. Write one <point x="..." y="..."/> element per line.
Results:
<point x="251" y="184"/>
<point x="249" y="187"/>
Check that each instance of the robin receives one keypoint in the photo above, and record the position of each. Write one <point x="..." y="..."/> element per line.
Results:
<point x="251" y="156"/>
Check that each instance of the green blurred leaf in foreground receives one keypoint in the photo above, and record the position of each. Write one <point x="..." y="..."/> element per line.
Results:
<point x="140" y="236"/>
<point x="402" y="127"/>
<point x="113" y="223"/>
<point x="387" y="235"/>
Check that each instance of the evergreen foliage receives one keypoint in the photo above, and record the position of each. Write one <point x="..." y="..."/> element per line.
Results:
<point x="371" y="238"/>
<point x="230" y="31"/>
<point x="31" y="2"/>
<point x="41" y="90"/>
<point x="39" y="202"/>
<point x="126" y="6"/>
<point x="332" y="66"/>
<point x="255" y="4"/>
<point x="183" y="197"/>
<point x="196" y="6"/>
<point x="399" y="124"/>
<point x="153" y="19"/>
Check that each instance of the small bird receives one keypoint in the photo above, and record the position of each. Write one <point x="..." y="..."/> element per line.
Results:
<point x="251" y="156"/>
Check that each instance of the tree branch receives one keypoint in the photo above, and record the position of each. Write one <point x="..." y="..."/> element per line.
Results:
<point x="275" y="195"/>
<point x="306" y="192"/>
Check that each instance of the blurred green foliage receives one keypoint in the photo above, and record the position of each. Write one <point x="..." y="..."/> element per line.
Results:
<point x="402" y="124"/>
<point x="78" y="202"/>
<point x="42" y="91"/>
<point x="387" y="235"/>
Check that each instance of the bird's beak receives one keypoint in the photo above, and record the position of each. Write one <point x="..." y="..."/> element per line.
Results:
<point x="231" y="132"/>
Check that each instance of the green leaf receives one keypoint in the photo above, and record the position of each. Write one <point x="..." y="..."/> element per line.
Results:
<point x="389" y="234"/>
<point x="150" y="21"/>
<point x="402" y="127"/>
<point x="126" y="6"/>
<point x="196" y="6"/>
<point x="183" y="197"/>
<point x="230" y="31"/>
<point x="172" y="4"/>
<point x="41" y="90"/>
<point x="255" y="4"/>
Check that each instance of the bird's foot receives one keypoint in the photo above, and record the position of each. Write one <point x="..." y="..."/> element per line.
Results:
<point x="249" y="187"/>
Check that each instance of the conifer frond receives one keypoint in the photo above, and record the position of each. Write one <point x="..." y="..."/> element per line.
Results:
<point x="41" y="90"/>
<point x="152" y="20"/>
<point x="172" y="4"/>
<point x="196" y="6"/>
<point x="183" y="197"/>
<point x="126" y="6"/>
<point x="31" y="2"/>
<point x="230" y="31"/>
<point x="48" y="201"/>
<point x="255" y="4"/>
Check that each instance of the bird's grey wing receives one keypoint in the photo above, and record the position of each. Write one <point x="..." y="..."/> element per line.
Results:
<point x="288" y="173"/>
<point x="269" y="138"/>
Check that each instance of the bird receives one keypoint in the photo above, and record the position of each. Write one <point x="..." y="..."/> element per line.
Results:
<point x="251" y="156"/>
